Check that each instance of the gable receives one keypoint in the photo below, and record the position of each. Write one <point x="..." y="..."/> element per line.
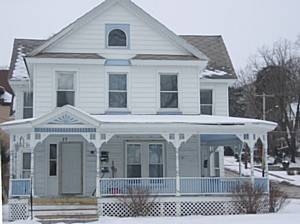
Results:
<point x="144" y="37"/>
<point x="67" y="116"/>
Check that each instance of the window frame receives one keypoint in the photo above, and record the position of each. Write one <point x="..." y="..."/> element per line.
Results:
<point x="26" y="107"/>
<point x="118" y="109"/>
<point x="145" y="159"/>
<point x="26" y="170"/>
<point x="168" y="109"/>
<point x="212" y="99"/>
<point x="126" y="157"/>
<point x="124" y="27"/>
<point x="163" y="158"/>
<point x="74" y="90"/>
<point x="53" y="160"/>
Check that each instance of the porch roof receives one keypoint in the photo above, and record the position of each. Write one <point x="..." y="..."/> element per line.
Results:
<point x="176" y="123"/>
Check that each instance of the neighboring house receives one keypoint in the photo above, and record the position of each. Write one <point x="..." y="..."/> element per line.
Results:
<point x="118" y="100"/>
<point x="6" y="99"/>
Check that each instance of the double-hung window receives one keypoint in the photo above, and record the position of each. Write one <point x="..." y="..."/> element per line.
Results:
<point x="26" y="165"/>
<point x="65" y="89"/>
<point x="168" y="91"/>
<point x="117" y="91"/>
<point x="27" y="105"/>
<point x="206" y="101"/>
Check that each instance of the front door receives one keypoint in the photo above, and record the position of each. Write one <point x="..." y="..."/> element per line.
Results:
<point x="145" y="159"/>
<point x="71" y="168"/>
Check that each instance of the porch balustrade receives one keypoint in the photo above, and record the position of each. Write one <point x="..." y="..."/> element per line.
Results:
<point x="159" y="186"/>
<point x="167" y="186"/>
<point x="20" y="187"/>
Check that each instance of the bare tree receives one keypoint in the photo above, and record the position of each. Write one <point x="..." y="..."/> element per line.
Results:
<point x="275" y="71"/>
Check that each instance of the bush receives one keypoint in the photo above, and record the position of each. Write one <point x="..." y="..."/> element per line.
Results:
<point x="250" y="200"/>
<point x="139" y="201"/>
<point x="277" y="198"/>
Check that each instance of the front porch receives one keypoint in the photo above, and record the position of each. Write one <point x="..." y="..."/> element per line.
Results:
<point x="168" y="155"/>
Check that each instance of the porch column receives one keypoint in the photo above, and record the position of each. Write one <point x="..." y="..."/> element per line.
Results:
<point x="100" y="139"/>
<point x="264" y="139"/>
<point x="98" y="172"/>
<point x="11" y="153"/>
<point x="177" y="139"/>
<point x="32" y="170"/>
<point x="177" y="171"/>
<point x="252" y="163"/>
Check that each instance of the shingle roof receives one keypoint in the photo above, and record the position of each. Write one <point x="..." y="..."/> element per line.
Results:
<point x="26" y="46"/>
<point x="214" y="48"/>
<point x="164" y="57"/>
<point x="70" y="55"/>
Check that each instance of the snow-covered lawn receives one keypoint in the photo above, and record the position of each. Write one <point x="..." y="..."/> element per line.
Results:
<point x="280" y="176"/>
<point x="290" y="213"/>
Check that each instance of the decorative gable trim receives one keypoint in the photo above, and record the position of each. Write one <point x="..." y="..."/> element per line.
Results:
<point x="65" y="118"/>
<point x="66" y="115"/>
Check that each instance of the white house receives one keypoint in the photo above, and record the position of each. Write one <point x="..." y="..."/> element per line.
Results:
<point x="117" y="100"/>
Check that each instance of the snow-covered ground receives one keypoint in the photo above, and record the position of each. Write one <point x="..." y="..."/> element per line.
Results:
<point x="280" y="176"/>
<point x="290" y="213"/>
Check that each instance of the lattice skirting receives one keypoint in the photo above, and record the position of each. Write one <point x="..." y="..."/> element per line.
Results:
<point x="173" y="208"/>
<point x="18" y="209"/>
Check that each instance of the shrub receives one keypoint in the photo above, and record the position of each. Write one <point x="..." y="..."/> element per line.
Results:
<point x="277" y="198"/>
<point x="250" y="199"/>
<point x="138" y="200"/>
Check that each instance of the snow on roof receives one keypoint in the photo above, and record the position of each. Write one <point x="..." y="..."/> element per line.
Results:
<point x="184" y="119"/>
<point x="166" y="119"/>
<point x="7" y="97"/>
<point x="213" y="73"/>
<point x="20" y="71"/>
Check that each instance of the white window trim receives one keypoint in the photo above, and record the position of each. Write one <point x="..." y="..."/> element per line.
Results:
<point x="126" y="152"/>
<point x="112" y="109"/>
<point x="117" y="47"/>
<point x="178" y="109"/>
<point x="124" y="27"/>
<point x="213" y="99"/>
<point x="145" y="160"/>
<point x="27" y="107"/>
<point x="25" y="170"/>
<point x="163" y="157"/>
<point x="75" y="84"/>
<point x="49" y="160"/>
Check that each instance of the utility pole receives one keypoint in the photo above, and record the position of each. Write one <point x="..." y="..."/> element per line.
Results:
<point x="264" y="162"/>
<point x="264" y="96"/>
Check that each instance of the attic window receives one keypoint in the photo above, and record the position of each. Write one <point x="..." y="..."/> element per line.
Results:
<point x="117" y="38"/>
<point x="117" y="35"/>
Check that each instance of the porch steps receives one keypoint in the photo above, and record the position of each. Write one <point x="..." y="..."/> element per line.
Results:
<point x="67" y="210"/>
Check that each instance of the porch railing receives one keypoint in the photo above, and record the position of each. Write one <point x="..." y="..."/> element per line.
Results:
<point x="20" y="187"/>
<point x="167" y="186"/>
<point x="120" y="186"/>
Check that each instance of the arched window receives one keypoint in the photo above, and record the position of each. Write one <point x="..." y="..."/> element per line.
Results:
<point x="117" y="38"/>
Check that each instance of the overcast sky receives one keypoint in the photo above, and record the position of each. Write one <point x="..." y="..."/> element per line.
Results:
<point x="244" y="24"/>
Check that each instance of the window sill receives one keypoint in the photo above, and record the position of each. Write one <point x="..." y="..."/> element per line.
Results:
<point x="169" y="112"/>
<point x="118" y="111"/>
